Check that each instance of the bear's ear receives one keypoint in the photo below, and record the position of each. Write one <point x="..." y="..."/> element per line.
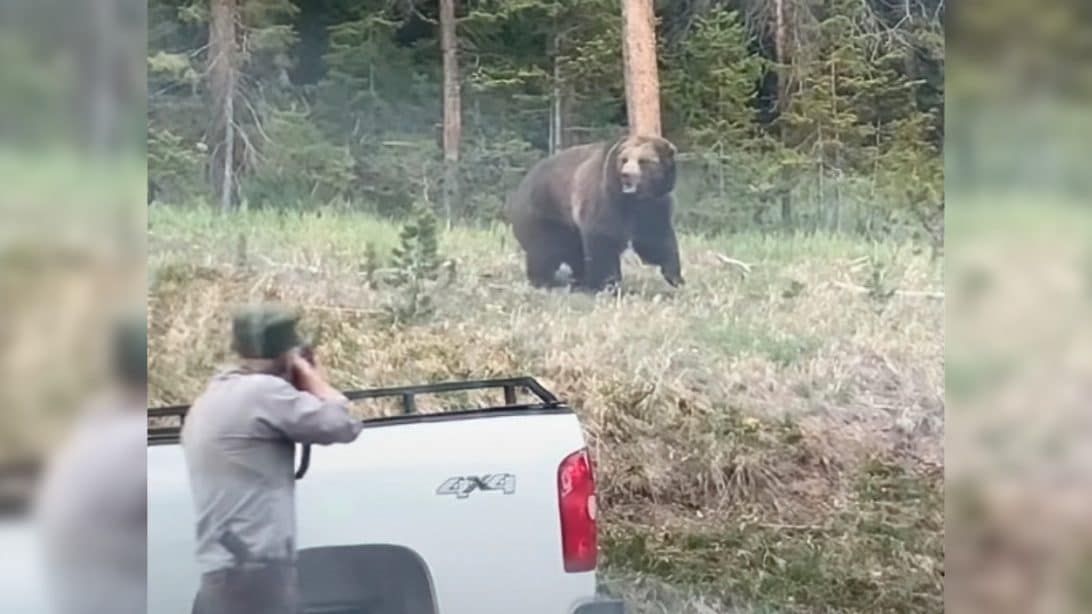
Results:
<point x="667" y="149"/>
<point x="613" y="151"/>
<point x="609" y="176"/>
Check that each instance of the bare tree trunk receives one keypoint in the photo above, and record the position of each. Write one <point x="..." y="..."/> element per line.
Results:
<point x="227" y="182"/>
<point x="639" y="58"/>
<point x="551" y="140"/>
<point x="780" y="41"/>
<point x="786" y="206"/>
<point x="223" y="65"/>
<point x="556" y="111"/>
<point x="822" y="208"/>
<point x="836" y="212"/>
<point x="559" y="98"/>
<point x="452" y="107"/>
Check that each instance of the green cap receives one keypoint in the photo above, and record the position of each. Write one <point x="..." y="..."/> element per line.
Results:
<point x="264" y="331"/>
<point x="130" y="349"/>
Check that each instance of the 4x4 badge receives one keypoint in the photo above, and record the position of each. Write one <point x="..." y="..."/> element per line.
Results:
<point x="463" y="486"/>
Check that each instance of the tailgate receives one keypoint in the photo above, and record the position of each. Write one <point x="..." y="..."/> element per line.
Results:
<point x="475" y="498"/>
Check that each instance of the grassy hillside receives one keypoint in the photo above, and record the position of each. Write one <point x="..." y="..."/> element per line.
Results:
<point x="768" y="437"/>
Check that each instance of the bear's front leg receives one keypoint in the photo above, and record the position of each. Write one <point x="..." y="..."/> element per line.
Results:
<point x="654" y="238"/>
<point x="602" y="261"/>
<point x="661" y="249"/>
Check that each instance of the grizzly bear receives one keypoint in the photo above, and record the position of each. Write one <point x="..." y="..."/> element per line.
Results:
<point x="585" y="205"/>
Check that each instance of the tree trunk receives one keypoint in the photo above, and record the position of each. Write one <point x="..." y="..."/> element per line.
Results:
<point x="559" y="99"/>
<point x="781" y="56"/>
<point x="822" y="172"/>
<point x="556" y="105"/>
<point x="639" y="59"/>
<point x="836" y="139"/>
<point x="452" y="107"/>
<point x="223" y="66"/>
<point x="780" y="40"/>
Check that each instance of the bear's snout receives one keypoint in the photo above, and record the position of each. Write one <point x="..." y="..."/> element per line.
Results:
<point x="630" y="176"/>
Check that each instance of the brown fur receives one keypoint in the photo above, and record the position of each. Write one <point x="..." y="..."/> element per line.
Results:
<point x="585" y="205"/>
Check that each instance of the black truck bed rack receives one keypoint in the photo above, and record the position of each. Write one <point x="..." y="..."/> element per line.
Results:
<point x="170" y="418"/>
<point x="175" y="415"/>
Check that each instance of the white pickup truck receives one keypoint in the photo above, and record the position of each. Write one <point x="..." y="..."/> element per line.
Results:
<point x="478" y="511"/>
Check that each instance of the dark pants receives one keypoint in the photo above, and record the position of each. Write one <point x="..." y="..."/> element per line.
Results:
<point x="269" y="589"/>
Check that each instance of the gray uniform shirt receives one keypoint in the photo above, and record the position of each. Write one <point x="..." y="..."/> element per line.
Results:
<point x="238" y="441"/>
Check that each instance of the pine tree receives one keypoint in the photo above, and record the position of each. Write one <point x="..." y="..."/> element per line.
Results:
<point x="824" y="119"/>
<point x="711" y="80"/>
<point x="417" y="266"/>
<point x="417" y="255"/>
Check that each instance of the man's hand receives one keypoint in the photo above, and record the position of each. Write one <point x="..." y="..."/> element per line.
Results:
<point x="307" y="377"/>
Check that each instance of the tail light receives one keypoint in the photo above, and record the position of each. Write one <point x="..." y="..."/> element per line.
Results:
<point x="576" y="493"/>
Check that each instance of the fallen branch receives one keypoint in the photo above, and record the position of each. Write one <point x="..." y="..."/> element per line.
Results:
<point x="732" y="261"/>
<point x="911" y="293"/>
<point x="336" y="309"/>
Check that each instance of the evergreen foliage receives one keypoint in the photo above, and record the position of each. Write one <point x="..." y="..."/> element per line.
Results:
<point x="416" y="265"/>
<point x="341" y="99"/>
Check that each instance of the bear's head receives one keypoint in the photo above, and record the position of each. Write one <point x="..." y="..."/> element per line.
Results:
<point x="640" y="166"/>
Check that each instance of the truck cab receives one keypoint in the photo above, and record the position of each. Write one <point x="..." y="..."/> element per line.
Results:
<point x="469" y="511"/>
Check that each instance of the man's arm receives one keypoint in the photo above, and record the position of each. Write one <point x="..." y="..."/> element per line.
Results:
<point x="306" y="418"/>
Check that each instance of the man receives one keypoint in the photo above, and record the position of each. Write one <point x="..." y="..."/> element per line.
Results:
<point x="239" y="441"/>
<point x="91" y="508"/>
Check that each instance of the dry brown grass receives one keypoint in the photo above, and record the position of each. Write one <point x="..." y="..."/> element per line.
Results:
<point x="58" y="309"/>
<point x="744" y="397"/>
